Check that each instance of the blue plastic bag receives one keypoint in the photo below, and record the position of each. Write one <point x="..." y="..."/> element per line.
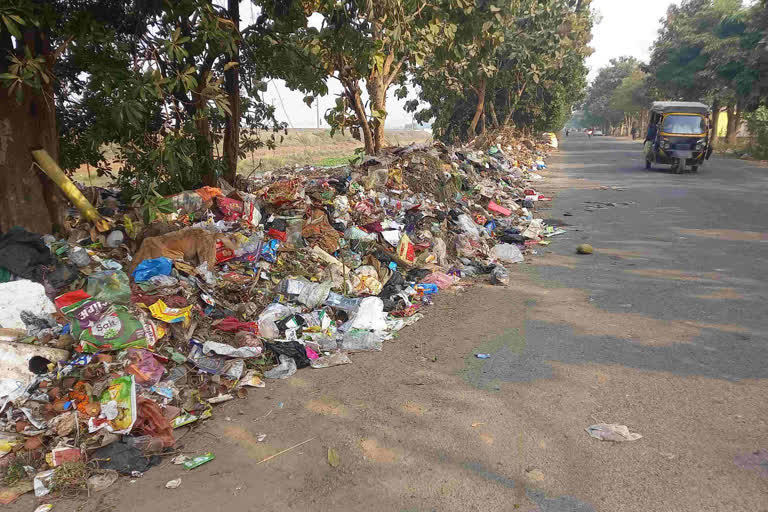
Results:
<point x="150" y="268"/>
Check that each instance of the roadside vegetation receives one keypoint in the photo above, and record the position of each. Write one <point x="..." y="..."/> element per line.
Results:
<point x="714" y="51"/>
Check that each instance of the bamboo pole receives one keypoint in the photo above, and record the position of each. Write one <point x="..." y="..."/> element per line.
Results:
<point x="53" y="171"/>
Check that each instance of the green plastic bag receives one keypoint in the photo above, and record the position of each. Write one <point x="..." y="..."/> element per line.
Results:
<point x="109" y="286"/>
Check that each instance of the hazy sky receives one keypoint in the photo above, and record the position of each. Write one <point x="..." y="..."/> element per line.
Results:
<point x="626" y="27"/>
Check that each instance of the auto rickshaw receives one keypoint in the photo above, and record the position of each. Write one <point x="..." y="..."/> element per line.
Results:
<point x="678" y="135"/>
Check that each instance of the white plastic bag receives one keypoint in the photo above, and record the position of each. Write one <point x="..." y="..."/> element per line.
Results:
<point x="508" y="253"/>
<point x="24" y="295"/>
<point x="269" y="317"/>
<point x="467" y="225"/>
<point x="370" y="315"/>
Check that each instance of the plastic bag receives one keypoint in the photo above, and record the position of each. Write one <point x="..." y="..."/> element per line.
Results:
<point x="101" y="326"/>
<point x="285" y="369"/>
<point x="223" y="349"/>
<point x="508" y="253"/>
<point x="152" y="267"/>
<point x="467" y="225"/>
<point x="19" y="296"/>
<point x="292" y="349"/>
<point x="405" y="250"/>
<point x="118" y="407"/>
<point x="161" y="311"/>
<point x="355" y="233"/>
<point x="314" y="294"/>
<point x="338" y="301"/>
<point x="251" y="211"/>
<point x="144" y="367"/>
<point x="499" y="275"/>
<point x="361" y="340"/>
<point x="110" y="286"/>
<point x="364" y="281"/>
<point x="151" y="422"/>
<point x="269" y="317"/>
<point x="466" y="245"/>
<point x="441" y="279"/>
<point x="441" y="252"/>
<point x="293" y="232"/>
<point x="369" y="315"/>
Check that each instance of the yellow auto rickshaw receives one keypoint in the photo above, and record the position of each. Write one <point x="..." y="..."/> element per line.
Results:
<point x="678" y="135"/>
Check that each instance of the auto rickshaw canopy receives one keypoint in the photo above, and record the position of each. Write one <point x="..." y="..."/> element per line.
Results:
<point x="681" y="107"/>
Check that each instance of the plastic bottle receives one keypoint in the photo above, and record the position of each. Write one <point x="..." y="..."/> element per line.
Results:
<point x="336" y="300"/>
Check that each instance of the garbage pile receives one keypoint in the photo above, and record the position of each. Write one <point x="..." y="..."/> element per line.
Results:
<point x="109" y="341"/>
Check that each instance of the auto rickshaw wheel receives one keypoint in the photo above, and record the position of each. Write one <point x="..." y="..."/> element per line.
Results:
<point x="679" y="166"/>
<point x="694" y="168"/>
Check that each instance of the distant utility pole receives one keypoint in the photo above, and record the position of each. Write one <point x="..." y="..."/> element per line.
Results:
<point x="317" y="109"/>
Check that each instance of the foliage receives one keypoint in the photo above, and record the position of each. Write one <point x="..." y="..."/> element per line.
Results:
<point x="147" y="79"/>
<point x="600" y="106"/>
<point x="369" y="42"/>
<point x="757" y="122"/>
<point x="706" y="51"/>
<point x="631" y="96"/>
<point x="520" y="63"/>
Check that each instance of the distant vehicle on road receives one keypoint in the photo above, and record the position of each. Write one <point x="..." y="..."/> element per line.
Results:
<point x="598" y="133"/>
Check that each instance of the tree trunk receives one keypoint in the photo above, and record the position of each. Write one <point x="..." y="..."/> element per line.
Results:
<point x="353" y="94"/>
<point x="203" y="135"/>
<point x="715" y="119"/>
<point x="494" y="119"/>
<point x="730" y="135"/>
<point x="737" y="119"/>
<point x="478" y="109"/>
<point x="232" y="84"/>
<point x="378" y="96"/>
<point x="28" y="198"/>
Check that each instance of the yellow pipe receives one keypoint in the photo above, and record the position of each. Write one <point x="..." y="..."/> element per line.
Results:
<point x="52" y="169"/>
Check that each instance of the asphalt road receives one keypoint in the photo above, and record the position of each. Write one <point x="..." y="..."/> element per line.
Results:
<point x="662" y="329"/>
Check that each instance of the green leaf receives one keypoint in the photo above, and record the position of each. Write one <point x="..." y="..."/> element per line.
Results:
<point x="12" y="28"/>
<point x="8" y="76"/>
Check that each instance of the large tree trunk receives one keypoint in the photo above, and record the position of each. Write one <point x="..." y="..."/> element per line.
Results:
<point x="478" y="109"/>
<point x="232" y="121"/>
<point x="730" y="136"/>
<point x="377" y="95"/>
<point x="28" y="198"/>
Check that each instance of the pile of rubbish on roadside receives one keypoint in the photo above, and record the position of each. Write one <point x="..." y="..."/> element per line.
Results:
<point x="110" y="340"/>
